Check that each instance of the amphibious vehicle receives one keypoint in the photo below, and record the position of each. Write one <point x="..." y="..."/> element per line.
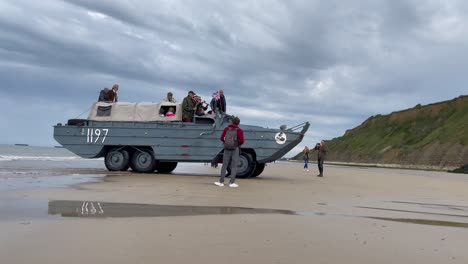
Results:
<point x="136" y="136"/>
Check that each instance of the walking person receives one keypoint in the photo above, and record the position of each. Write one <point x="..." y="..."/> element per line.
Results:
<point x="306" y="158"/>
<point x="322" y="150"/>
<point x="233" y="138"/>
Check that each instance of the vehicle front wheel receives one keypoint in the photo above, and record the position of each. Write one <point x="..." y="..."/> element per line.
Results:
<point x="246" y="165"/>
<point x="258" y="170"/>
<point x="143" y="161"/>
<point x="117" y="160"/>
<point x="165" y="166"/>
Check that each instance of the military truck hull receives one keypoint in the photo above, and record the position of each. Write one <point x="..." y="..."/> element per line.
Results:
<point x="159" y="145"/>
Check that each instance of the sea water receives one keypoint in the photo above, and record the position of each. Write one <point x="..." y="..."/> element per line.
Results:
<point x="21" y="161"/>
<point x="32" y="167"/>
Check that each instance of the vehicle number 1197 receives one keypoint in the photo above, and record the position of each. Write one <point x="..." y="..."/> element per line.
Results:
<point x="96" y="134"/>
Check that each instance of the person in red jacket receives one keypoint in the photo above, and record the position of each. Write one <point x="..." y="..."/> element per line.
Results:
<point x="233" y="138"/>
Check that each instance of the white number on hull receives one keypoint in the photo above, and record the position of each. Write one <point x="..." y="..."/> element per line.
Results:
<point x="94" y="135"/>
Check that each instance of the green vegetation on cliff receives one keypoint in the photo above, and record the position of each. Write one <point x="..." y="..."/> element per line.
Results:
<point x="434" y="135"/>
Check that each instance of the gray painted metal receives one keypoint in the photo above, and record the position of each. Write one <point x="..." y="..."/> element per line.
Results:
<point x="175" y="141"/>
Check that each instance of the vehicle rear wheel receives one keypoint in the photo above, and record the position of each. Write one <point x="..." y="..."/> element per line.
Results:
<point x="165" y="166"/>
<point x="258" y="170"/>
<point x="246" y="165"/>
<point x="143" y="161"/>
<point x="117" y="160"/>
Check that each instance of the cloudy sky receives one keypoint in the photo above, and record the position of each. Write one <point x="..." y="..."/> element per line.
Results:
<point x="332" y="63"/>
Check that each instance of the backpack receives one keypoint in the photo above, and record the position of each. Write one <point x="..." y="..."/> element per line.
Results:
<point x="230" y="140"/>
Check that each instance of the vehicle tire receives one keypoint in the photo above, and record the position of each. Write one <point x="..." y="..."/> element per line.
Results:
<point x="258" y="170"/>
<point x="165" y="166"/>
<point x="143" y="161"/>
<point x="117" y="160"/>
<point x="246" y="166"/>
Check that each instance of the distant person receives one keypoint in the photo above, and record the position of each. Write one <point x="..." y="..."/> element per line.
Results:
<point x="218" y="102"/>
<point x="162" y="112"/>
<point x="170" y="112"/>
<point x="113" y="97"/>
<point x="104" y="96"/>
<point x="322" y="151"/>
<point x="305" y="152"/>
<point x="169" y="98"/>
<point x="233" y="138"/>
<point x="188" y="107"/>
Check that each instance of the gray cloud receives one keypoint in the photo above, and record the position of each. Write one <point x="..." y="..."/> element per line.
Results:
<point x="333" y="63"/>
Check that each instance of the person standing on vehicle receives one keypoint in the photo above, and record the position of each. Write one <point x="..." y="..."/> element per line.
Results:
<point x="169" y="98"/>
<point x="113" y="98"/>
<point x="322" y="150"/>
<point x="218" y="103"/>
<point x="222" y="102"/>
<point x="233" y="138"/>
<point x="188" y="107"/>
<point x="104" y="96"/>
<point x="305" y="152"/>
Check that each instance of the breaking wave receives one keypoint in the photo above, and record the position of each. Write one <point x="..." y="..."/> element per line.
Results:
<point x="43" y="158"/>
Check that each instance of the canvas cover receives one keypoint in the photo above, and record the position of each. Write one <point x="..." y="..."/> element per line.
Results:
<point x="134" y="112"/>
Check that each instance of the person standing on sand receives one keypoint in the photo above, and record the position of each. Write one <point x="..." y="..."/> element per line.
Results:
<point x="306" y="158"/>
<point x="322" y="150"/>
<point x="233" y="138"/>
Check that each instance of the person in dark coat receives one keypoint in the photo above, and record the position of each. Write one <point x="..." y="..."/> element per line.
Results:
<point x="218" y="103"/>
<point x="322" y="151"/>
<point x="104" y="96"/>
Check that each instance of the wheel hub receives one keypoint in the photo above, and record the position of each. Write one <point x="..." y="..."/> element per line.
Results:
<point x="117" y="158"/>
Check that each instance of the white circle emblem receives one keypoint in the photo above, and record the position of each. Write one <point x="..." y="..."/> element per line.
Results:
<point x="280" y="138"/>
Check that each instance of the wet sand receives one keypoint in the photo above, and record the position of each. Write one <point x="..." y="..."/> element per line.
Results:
<point x="352" y="215"/>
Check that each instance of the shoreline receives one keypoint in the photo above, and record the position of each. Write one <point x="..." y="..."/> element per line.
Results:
<point x="388" y="166"/>
<point x="287" y="215"/>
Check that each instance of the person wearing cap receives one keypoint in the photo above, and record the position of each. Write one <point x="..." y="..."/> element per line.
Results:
<point x="169" y="98"/>
<point x="188" y="107"/>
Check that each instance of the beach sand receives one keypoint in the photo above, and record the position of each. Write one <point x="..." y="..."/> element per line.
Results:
<point x="352" y="215"/>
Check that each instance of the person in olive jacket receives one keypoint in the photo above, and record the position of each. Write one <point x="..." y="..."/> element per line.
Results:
<point x="188" y="107"/>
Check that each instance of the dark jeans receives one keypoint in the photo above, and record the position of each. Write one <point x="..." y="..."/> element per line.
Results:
<point x="306" y="163"/>
<point x="320" y="165"/>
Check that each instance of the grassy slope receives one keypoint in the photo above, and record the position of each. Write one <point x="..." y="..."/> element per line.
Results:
<point x="424" y="135"/>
